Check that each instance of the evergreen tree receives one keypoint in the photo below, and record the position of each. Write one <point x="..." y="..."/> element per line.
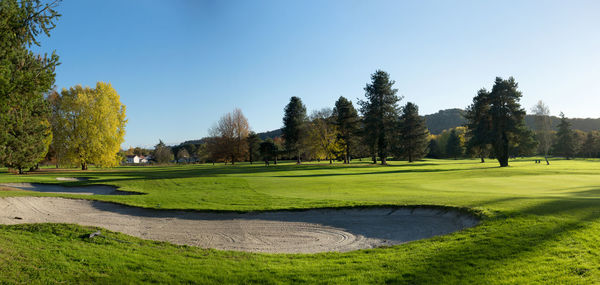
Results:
<point x="380" y="111"/>
<point x="25" y="132"/>
<point x="347" y="121"/>
<point x="294" y="122"/>
<point x="506" y="118"/>
<point x="434" y="149"/>
<point x="479" y="125"/>
<point x="413" y="134"/>
<point x="267" y="150"/>
<point x="565" y="140"/>
<point x="454" y="146"/>
<point x="589" y="146"/>
<point x="253" y="146"/>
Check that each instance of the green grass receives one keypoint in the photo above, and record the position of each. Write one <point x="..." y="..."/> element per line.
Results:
<point x="541" y="224"/>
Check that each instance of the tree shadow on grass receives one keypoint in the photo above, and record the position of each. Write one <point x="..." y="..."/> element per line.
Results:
<point x="501" y="240"/>
<point x="366" y="173"/>
<point x="174" y="172"/>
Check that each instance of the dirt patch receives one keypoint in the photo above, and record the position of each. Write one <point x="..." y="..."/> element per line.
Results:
<point x="60" y="189"/>
<point x="309" y="231"/>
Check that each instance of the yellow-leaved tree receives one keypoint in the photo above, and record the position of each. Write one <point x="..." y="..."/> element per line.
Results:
<point x="90" y="125"/>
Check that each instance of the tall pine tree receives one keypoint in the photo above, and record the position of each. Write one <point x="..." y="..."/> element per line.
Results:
<point x="507" y="117"/>
<point x="25" y="132"/>
<point x="253" y="142"/>
<point x="565" y="139"/>
<point x="504" y="126"/>
<point x="347" y="121"/>
<point x="380" y="111"/>
<point x="589" y="146"/>
<point x="413" y="134"/>
<point x="479" y="125"/>
<point x="294" y="122"/>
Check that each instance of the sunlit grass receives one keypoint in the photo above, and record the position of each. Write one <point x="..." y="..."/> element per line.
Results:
<point x="540" y="224"/>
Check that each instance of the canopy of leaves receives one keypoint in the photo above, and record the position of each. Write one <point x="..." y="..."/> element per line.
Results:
<point x="229" y="137"/>
<point x="91" y="125"/>
<point x="162" y="153"/>
<point x="323" y="135"/>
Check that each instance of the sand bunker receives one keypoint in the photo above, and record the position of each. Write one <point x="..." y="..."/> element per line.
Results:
<point x="72" y="178"/>
<point x="307" y="231"/>
<point x="59" y="189"/>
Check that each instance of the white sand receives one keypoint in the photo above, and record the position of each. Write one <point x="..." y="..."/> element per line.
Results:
<point x="72" y="178"/>
<point x="308" y="231"/>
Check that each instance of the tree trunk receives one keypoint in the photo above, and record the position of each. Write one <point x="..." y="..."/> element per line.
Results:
<point x="84" y="166"/>
<point x="347" y="154"/>
<point x="546" y="158"/>
<point x="383" y="161"/>
<point x="330" y="161"/>
<point x="410" y="157"/>
<point x="503" y="153"/>
<point x="20" y="170"/>
<point x="298" y="161"/>
<point x="374" y="158"/>
<point x="482" y="159"/>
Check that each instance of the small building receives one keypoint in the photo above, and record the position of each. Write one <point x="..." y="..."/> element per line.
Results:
<point x="133" y="159"/>
<point x="145" y="159"/>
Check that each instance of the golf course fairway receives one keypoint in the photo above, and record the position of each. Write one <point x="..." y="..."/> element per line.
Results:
<point x="538" y="224"/>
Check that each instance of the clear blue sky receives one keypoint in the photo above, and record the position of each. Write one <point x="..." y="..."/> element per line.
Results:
<point x="180" y="65"/>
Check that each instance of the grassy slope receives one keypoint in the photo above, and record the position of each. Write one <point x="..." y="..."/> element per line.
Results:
<point x="542" y="225"/>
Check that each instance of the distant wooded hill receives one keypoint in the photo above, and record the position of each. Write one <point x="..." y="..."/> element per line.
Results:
<point x="270" y="134"/>
<point x="451" y="118"/>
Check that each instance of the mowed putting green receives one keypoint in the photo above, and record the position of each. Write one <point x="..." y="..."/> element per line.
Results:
<point x="540" y="224"/>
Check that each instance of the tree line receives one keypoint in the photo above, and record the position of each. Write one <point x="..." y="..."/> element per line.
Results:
<point x="381" y="129"/>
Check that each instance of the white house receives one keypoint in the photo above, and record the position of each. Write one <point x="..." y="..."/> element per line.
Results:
<point x="138" y="159"/>
<point x="133" y="159"/>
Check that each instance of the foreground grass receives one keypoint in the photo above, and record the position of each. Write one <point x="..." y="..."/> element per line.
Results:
<point x="541" y="225"/>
